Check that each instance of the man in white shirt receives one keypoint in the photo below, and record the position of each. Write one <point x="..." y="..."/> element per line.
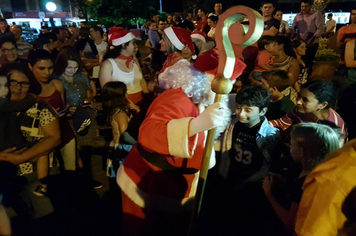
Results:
<point x="96" y="33"/>
<point x="330" y="26"/>
<point x="284" y="27"/>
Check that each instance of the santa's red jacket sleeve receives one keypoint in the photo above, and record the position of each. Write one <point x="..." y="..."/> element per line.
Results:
<point x="165" y="131"/>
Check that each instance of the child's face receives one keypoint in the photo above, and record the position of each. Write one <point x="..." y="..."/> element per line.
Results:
<point x="272" y="47"/>
<point x="249" y="115"/>
<point x="153" y="26"/>
<point x="296" y="151"/>
<point x="4" y="90"/>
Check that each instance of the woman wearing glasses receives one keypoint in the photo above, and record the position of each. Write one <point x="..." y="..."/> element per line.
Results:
<point x="39" y="127"/>
<point x="9" y="52"/>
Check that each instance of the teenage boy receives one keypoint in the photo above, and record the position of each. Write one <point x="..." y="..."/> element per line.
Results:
<point x="277" y="81"/>
<point x="249" y="149"/>
<point x="249" y="146"/>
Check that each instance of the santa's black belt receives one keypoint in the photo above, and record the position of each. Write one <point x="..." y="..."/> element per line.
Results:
<point x="162" y="163"/>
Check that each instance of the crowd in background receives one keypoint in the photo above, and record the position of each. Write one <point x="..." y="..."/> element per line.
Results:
<point x="274" y="173"/>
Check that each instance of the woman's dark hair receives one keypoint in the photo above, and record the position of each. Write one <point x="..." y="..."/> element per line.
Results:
<point x="295" y="44"/>
<point x="323" y="90"/>
<point x="10" y="67"/>
<point x="114" y="98"/>
<point x="171" y="19"/>
<point x="214" y="18"/>
<point x="33" y="57"/>
<point x="276" y="10"/>
<point x="84" y="32"/>
<point x="5" y="40"/>
<point x="37" y="55"/>
<point x="50" y="36"/>
<point x="40" y="42"/>
<point x="114" y="51"/>
<point x="65" y="54"/>
<point x="287" y="45"/>
<point x="254" y="95"/>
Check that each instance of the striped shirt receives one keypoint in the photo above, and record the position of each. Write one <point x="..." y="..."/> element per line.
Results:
<point x="295" y="117"/>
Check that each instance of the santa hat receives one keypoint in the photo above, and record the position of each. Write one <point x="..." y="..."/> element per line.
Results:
<point x="199" y="35"/>
<point x="208" y="62"/>
<point x="179" y="37"/>
<point x="119" y="35"/>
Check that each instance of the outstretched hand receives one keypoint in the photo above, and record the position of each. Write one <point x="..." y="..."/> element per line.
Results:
<point x="210" y="118"/>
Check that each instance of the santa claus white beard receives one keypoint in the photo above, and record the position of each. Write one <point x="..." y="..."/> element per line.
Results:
<point x="196" y="86"/>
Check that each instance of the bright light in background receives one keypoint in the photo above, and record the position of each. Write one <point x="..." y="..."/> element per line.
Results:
<point x="51" y="6"/>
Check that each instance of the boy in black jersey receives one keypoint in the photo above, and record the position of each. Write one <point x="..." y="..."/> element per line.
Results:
<point x="248" y="151"/>
<point x="250" y="146"/>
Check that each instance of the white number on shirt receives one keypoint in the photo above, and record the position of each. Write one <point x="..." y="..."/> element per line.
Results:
<point x="243" y="156"/>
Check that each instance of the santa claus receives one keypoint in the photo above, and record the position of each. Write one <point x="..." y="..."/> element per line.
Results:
<point x="159" y="176"/>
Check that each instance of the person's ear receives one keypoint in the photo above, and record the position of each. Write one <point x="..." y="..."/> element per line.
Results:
<point x="281" y="46"/>
<point x="29" y="66"/>
<point x="272" y="89"/>
<point x="263" y="111"/>
<point x="322" y="105"/>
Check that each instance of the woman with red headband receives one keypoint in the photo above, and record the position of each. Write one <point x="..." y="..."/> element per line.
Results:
<point x="120" y="63"/>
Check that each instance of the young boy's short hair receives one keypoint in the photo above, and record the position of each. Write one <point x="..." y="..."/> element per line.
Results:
<point x="262" y="42"/>
<point x="254" y="95"/>
<point x="277" y="78"/>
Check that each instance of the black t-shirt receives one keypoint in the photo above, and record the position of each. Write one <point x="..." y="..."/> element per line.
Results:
<point x="272" y="22"/>
<point x="245" y="157"/>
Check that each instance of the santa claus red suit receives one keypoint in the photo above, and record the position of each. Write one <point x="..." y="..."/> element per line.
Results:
<point x="159" y="176"/>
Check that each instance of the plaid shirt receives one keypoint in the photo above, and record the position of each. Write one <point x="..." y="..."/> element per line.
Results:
<point x="76" y="93"/>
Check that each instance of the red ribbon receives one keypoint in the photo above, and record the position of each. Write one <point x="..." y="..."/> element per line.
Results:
<point x="128" y="59"/>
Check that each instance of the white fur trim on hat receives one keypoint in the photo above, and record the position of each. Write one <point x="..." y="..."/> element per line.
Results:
<point x="127" y="38"/>
<point x="198" y="36"/>
<point x="173" y="38"/>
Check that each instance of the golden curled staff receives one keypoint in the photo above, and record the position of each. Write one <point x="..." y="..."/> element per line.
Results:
<point x="232" y="37"/>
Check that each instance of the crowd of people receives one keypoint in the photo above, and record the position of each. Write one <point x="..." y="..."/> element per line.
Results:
<point x="283" y="164"/>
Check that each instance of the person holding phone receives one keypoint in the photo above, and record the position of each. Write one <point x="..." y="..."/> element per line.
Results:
<point x="78" y="93"/>
<point x="52" y="92"/>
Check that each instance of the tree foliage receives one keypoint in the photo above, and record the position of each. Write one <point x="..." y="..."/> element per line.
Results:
<point x="127" y="13"/>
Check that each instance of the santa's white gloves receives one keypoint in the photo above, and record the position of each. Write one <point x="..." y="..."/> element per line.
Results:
<point x="211" y="117"/>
